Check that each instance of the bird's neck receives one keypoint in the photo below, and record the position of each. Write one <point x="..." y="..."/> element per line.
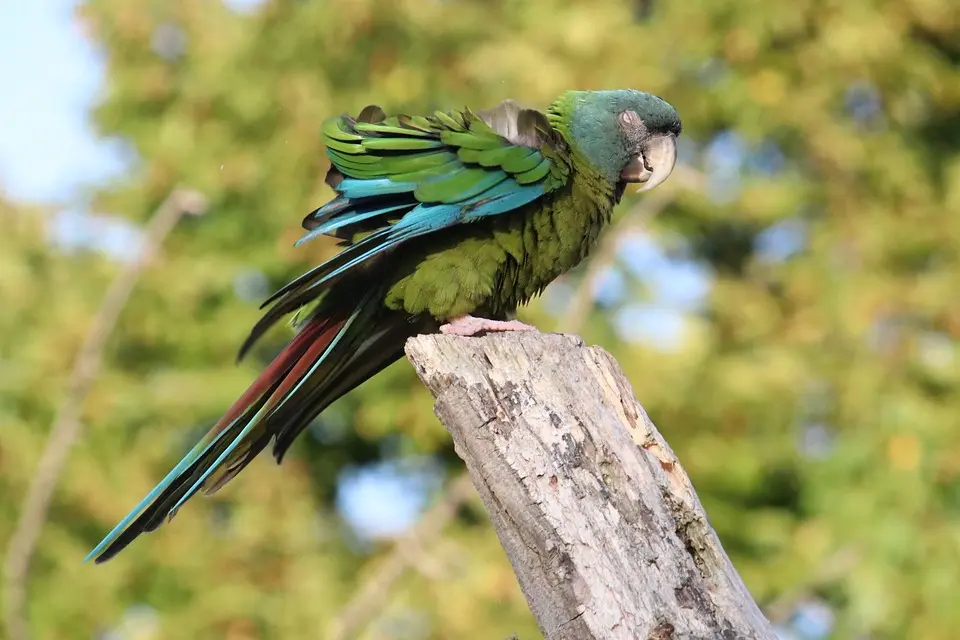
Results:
<point x="590" y="132"/>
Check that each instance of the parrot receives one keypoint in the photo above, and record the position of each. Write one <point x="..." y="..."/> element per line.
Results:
<point x="446" y="222"/>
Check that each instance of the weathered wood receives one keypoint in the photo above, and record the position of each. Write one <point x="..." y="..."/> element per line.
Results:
<point x="601" y="524"/>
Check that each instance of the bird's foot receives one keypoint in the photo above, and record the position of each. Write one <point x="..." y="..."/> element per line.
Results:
<point x="470" y="326"/>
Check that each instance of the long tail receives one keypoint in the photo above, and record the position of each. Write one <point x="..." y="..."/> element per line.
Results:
<point x="334" y="352"/>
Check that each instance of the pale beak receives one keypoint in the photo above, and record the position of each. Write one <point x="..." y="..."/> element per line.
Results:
<point x="654" y="164"/>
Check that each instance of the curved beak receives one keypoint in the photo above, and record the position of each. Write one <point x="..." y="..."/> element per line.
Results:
<point x="654" y="164"/>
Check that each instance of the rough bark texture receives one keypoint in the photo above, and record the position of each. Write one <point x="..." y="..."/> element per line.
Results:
<point x="601" y="524"/>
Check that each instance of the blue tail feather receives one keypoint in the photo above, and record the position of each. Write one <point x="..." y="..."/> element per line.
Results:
<point x="198" y="450"/>
<point x="263" y="411"/>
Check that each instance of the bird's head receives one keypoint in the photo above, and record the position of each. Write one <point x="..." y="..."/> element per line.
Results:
<point x="628" y="135"/>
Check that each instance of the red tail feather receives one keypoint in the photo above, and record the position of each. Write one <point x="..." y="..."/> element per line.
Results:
<point x="289" y="365"/>
<point x="305" y="361"/>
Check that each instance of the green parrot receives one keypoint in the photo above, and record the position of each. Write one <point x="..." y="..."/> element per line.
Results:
<point x="449" y="222"/>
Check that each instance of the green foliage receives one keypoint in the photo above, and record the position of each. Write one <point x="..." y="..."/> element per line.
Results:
<point x="856" y="332"/>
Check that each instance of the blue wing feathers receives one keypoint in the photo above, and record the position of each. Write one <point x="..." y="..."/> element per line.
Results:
<point x="355" y="188"/>
<point x="422" y="219"/>
<point x="355" y="216"/>
<point x="509" y="200"/>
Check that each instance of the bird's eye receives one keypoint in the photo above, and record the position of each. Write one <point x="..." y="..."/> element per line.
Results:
<point x="629" y="118"/>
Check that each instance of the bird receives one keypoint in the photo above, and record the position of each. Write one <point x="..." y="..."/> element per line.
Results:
<point x="447" y="222"/>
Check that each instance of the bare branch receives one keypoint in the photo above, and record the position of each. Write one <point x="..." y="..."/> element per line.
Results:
<point x="408" y="551"/>
<point x="600" y="522"/>
<point x="66" y="426"/>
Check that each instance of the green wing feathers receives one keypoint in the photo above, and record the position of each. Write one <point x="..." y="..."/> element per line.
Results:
<point x="458" y="149"/>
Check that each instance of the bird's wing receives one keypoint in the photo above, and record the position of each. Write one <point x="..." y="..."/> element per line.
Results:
<point x="453" y="167"/>
<point x="402" y="177"/>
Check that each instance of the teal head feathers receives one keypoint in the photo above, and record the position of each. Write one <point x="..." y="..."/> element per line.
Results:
<point x="627" y="135"/>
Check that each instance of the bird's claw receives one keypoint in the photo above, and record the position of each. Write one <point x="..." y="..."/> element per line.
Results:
<point x="470" y="326"/>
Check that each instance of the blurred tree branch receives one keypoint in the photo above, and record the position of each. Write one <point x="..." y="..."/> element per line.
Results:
<point x="683" y="179"/>
<point x="409" y="551"/>
<point x="601" y="524"/>
<point x="830" y="569"/>
<point x="66" y="426"/>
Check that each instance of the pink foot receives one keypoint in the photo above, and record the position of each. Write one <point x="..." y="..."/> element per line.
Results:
<point x="471" y="326"/>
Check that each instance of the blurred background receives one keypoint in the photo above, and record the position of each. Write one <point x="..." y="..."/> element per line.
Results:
<point x="786" y="306"/>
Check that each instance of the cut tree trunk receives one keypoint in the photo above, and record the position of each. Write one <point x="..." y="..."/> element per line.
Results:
<point x="601" y="524"/>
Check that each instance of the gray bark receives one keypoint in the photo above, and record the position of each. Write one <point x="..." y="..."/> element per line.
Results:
<point x="601" y="524"/>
